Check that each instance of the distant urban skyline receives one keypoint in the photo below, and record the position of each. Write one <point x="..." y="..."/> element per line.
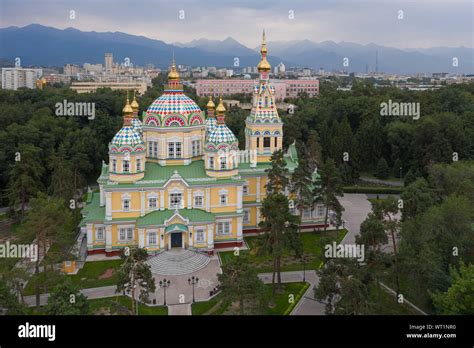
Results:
<point x="425" y="23"/>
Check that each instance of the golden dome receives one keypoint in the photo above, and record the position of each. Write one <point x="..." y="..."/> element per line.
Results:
<point x="127" y="109"/>
<point x="210" y="103"/>
<point x="134" y="103"/>
<point x="220" y="108"/>
<point x="173" y="74"/>
<point x="264" y="65"/>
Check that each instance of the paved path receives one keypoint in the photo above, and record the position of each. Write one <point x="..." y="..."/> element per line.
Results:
<point x="356" y="208"/>
<point x="308" y="305"/>
<point x="180" y="309"/>
<point x="101" y="292"/>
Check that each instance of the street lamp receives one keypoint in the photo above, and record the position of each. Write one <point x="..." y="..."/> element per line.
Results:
<point x="192" y="281"/>
<point x="400" y="173"/>
<point x="303" y="260"/>
<point x="164" y="284"/>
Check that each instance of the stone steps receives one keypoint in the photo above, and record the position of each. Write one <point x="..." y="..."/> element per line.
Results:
<point x="179" y="262"/>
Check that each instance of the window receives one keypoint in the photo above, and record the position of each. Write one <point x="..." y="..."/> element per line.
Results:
<point x="125" y="233"/>
<point x="196" y="147"/>
<point x="153" y="149"/>
<point x="266" y="142"/>
<point x="246" y="216"/>
<point x="211" y="162"/>
<point x="276" y="142"/>
<point x="320" y="210"/>
<point x="152" y="240"/>
<point x="258" y="142"/>
<point x="114" y="165"/>
<point x="306" y="212"/>
<point x="198" y="201"/>
<point x="174" y="150"/>
<point x="223" y="163"/>
<point x="223" y="228"/>
<point x="199" y="236"/>
<point x="139" y="164"/>
<point x="129" y="233"/>
<point x="126" y="204"/>
<point x="245" y="189"/>
<point x="126" y="166"/>
<point x="223" y="199"/>
<point x="100" y="235"/>
<point x="152" y="202"/>
<point x="175" y="200"/>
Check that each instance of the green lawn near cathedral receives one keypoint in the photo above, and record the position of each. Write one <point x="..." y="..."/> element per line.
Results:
<point x="285" y="300"/>
<point x="312" y="248"/>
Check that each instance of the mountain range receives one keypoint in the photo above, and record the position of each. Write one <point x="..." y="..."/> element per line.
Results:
<point x="46" y="46"/>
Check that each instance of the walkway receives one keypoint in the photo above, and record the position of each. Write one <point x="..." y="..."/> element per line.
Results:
<point x="308" y="305"/>
<point x="180" y="309"/>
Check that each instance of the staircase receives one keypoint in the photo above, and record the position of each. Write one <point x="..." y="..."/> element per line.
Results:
<point x="177" y="262"/>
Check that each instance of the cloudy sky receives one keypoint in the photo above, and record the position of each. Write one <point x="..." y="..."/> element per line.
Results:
<point x="425" y="23"/>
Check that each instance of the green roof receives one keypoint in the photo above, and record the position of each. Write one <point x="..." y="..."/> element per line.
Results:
<point x="157" y="175"/>
<point x="92" y="211"/>
<point x="158" y="217"/>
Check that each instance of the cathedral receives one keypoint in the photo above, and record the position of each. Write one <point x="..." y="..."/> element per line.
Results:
<point x="178" y="179"/>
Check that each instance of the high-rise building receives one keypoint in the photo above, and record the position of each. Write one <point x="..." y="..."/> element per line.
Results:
<point x="14" y="78"/>
<point x="109" y="62"/>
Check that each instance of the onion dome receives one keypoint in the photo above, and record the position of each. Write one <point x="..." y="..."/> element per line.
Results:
<point x="127" y="135"/>
<point x="264" y="65"/>
<point x="136" y="123"/>
<point x="173" y="108"/>
<point x="221" y="136"/>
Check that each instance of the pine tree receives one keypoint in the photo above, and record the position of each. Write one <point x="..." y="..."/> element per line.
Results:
<point x="383" y="171"/>
<point x="277" y="174"/>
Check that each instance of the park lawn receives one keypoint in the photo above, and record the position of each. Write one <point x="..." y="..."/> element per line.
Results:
<point x="216" y="306"/>
<point x="311" y="247"/>
<point x="220" y="305"/>
<point x="88" y="276"/>
<point x="120" y="305"/>
<point x="389" y="303"/>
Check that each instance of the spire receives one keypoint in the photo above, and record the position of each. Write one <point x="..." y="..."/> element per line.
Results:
<point x="134" y="105"/>
<point x="173" y="74"/>
<point x="264" y="65"/>
<point x="210" y="104"/>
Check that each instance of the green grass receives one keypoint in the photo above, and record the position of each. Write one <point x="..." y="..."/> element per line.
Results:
<point x="283" y="306"/>
<point x="311" y="247"/>
<point x="116" y="305"/>
<point x="388" y="303"/>
<point x="216" y="306"/>
<point x="220" y="305"/>
<point x="88" y="276"/>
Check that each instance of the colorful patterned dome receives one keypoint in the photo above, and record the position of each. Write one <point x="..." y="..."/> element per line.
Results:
<point x="137" y="125"/>
<point x="221" y="134"/>
<point x="127" y="136"/>
<point x="211" y="122"/>
<point x="173" y="102"/>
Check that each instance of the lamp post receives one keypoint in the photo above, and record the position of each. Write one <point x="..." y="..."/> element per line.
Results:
<point x="303" y="260"/>
<point x="164" y="284"/>
<point x="400" y="173"/>
<point x="192" y="281"/>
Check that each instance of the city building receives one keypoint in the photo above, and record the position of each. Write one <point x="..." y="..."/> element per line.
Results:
<point x="87" y="87"/>
<point x="72" y="70"/>
<point x="109" y="63"/>
<point x="179" y="180"/>
<point x="17" y="77"/>
<point x="283" y="88"/>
